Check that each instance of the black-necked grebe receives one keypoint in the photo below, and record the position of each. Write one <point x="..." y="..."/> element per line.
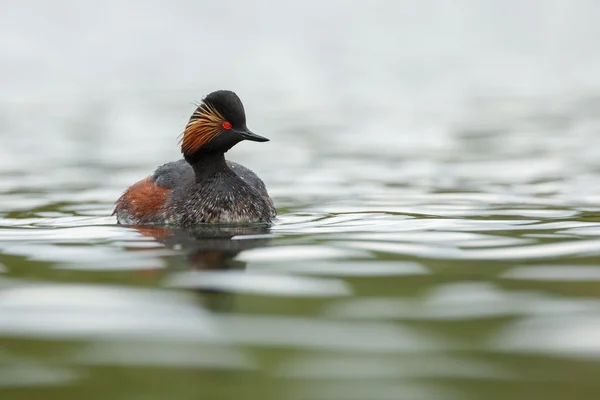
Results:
<point x="203" y="187"/>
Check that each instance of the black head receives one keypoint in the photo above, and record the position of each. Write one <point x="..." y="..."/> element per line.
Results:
<point x="229" y="105"/>
<point x="218" y="124"/>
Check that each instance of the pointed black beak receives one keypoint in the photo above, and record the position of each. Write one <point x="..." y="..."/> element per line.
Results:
<point x="246" y="134"/>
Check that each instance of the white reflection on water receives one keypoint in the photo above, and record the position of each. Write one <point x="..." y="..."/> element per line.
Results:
<point x="90" y="258"/>
<point x="327" y="334"/>
<point x="26" y="374"/>
<point x="557" y="273"/>
<point x="569" y="336"/>
<point x="295" y="253"/>
<point x="141" y="353"/>
<point x="251" y="283"/>
<point x="96" y="312"/>
<point x="584" y="230"/>
<point x="85" y="311"/>
<point x="347" y="269"/>
<point x="384" y="390"/>
<point x="575" y="248"/>
<point x="463" y="301"/>
<point x="351" y="367"/>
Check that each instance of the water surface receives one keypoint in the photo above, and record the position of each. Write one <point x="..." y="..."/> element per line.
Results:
<point x="435" y="171"/>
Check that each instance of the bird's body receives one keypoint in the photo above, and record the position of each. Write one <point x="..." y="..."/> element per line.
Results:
<point x="203" y="187"/>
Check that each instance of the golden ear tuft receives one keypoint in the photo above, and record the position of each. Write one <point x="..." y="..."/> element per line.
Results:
<point x="204" y="126"/>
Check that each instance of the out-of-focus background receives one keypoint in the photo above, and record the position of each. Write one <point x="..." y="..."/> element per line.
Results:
<point x="436" y="172"/>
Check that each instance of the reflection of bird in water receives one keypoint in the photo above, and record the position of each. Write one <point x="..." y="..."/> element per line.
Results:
<point x="211" y="247"/>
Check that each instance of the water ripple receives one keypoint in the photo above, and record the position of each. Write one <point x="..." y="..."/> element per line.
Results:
<point x="557" y="273"/>
<point x="571" y="336"/>
<point x="438" y="230"/>
<point x="252" y="283"/>
<point x="83" y="312"/>
<point x="465" y="301"/>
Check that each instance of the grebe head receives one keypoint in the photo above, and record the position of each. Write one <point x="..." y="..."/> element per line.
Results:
<point x="218" y="124"/>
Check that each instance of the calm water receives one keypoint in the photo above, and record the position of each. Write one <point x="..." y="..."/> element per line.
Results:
<point x="435" y="169"/>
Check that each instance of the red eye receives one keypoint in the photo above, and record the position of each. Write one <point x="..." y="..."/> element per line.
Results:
<point x="226" y="125"/>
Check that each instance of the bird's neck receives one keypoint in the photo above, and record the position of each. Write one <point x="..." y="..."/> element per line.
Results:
<point x="208" y="164"/>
